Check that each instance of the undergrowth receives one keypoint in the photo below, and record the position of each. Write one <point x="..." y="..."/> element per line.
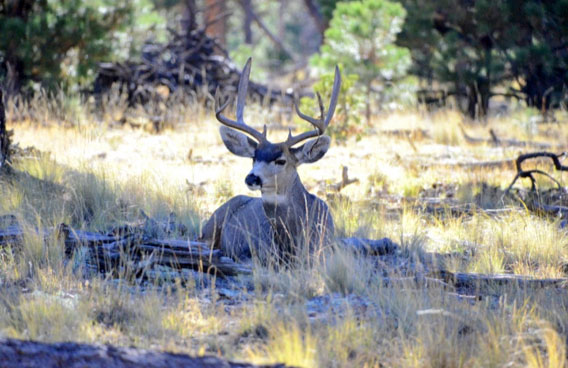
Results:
<point x="89" y="179"/>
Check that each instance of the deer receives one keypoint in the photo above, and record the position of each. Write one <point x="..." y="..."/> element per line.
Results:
<point x="286" y="218"/>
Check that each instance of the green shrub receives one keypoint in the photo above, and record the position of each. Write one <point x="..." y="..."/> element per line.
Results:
<point x="346" y="121"/>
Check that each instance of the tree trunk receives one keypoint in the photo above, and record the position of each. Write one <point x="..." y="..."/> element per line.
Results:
<point x="247" y="24"/>
<point x="4" y="137"/>
<point x="478" y="94"/>
<point x="216" y="20"/>
<point x="315" y="13"/>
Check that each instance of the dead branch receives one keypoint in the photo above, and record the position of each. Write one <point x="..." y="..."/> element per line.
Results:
<point x="33" y="354"/>
<point x="530" y="173"/>
<point x="345" y="181"/>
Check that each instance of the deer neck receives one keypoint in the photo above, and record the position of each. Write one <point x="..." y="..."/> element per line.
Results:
<point x="288" y="200"/>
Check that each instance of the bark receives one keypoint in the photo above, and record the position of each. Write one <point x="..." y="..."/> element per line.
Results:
<point x="216" y="19"/>
<point x="32" y="354"/>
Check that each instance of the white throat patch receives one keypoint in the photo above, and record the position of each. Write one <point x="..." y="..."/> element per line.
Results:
<point x="274" y="198"/>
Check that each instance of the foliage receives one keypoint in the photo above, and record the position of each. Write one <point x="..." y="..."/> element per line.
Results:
<point x="537" y="52"/>
<point x="481" y="45"/>
<point x="328" y="6"/>
<point x="361" y="37"/>
<point x="59" y="43"/>
<point x="347" y="120"/>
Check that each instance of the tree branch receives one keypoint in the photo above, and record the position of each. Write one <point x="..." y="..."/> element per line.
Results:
<point x="267" y="31"/>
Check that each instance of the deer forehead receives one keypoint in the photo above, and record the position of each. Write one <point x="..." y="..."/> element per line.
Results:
<point x="268" y="153"/>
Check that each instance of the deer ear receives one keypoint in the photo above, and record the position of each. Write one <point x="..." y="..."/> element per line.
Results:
<point x="312" y="150"/>
<point x="237" y="142"/>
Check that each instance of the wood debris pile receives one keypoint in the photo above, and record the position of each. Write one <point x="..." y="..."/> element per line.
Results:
<point x="192" y="63"/>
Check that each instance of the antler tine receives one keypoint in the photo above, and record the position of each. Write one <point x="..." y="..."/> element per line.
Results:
<point x="239" y="124"/>
<point x="321" y="123"/>
<point x="334" y="95"/>
<point x="242" y="90"/>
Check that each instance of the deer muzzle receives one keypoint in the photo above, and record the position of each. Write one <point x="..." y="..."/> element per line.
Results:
<point x="253" y="182"/>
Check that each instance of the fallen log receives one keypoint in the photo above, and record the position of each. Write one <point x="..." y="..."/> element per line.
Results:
<point x="129" y="245"/>
<point x="476" y="280"/>
<point x="33" y="354"/>
<point x="473" y="165"/>
<point x="495" y="140"/>
<point x="110" y="250"/>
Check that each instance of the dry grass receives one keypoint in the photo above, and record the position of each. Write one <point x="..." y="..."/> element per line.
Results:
<point x="92" y="176"/>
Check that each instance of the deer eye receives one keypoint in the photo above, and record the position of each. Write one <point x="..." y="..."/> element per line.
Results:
<point x="280" y="162"/>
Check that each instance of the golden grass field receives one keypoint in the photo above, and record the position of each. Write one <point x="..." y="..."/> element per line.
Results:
<point x="92" y="176"/>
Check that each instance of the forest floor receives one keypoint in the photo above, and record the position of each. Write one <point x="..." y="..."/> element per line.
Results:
<point x="421" y="182"/>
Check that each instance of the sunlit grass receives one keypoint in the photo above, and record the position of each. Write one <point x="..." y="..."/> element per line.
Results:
<point x="93" y="176"/>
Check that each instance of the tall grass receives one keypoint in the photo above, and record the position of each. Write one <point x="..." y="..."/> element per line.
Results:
<point x="92" y="176"/>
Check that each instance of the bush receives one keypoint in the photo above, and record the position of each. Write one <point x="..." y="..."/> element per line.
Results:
<point x="361" y="37"/>
<point x="346" y="121"/>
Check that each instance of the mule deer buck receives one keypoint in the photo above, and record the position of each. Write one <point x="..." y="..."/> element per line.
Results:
<point x="286" y="218"/>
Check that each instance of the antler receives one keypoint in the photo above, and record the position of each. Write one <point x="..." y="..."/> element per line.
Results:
<point x="239" y="124"/>
<point x="321" y="123"/>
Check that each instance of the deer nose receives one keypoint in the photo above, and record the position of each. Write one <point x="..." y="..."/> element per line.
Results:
<point x="252" y="180"/>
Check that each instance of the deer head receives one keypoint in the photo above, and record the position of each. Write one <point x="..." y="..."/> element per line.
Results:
<point x="274" y="170"/>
